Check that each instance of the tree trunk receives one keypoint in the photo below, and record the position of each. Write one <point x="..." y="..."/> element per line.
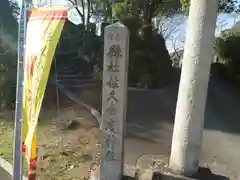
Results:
<point x="147" y="14"/>
<point x="83" y="12"/>
<point x="108" y="13"/>
<point x="89" y="11"/>
<point x="189" y="118"/>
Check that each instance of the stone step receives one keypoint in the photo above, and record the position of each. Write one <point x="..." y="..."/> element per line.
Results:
<point x="129" y="173"/>
<point x="64" y="67"/>
<point x="69" y="75"/>
<point x="64" y="71"/>
<point x="85" y="85"/>
<point x="77" y="80"/>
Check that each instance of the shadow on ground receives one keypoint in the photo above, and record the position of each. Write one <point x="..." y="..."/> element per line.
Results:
<point x="150" y="119"/>
<point x="148" y="109"/>
<point x="203" y="174"/>
<point x="128" y="178"/>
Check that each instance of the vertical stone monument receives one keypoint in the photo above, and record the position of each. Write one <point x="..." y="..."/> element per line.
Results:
<point x="114" y="101"/>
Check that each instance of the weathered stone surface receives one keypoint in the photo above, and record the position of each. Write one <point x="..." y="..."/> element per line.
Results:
<point x="148" y="164"/>
<point x="114" y="97"/>
<point x="129" y="173"/>
<point x="192" y="94"/>
<point x="155" y="167"/>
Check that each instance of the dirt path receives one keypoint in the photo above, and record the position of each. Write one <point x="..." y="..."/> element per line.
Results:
<point x="66" y="139"/>
<point x="150" y="125"/>
<point x="150" y="119"/>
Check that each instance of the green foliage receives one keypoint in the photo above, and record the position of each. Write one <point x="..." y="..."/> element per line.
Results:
<point x="90" y="52"/>
<point x="80" y="46"/>
<point x="9" y="11"/>
<point x="146" y="47"/>
<point x="224" y="6"/>
<point x="227" y="47"/>
<point x="7" y="75"/>
<point x="8" y="51"/>
<point x="149" y="63"/>
<point x="145" y="10"/>
<point x="228" y="6"/>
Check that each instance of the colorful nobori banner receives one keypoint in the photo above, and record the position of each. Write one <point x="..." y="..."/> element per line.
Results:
<point x="44" y="28"/>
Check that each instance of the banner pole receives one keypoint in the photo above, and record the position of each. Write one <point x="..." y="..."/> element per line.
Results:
<point x="17" y="154"/>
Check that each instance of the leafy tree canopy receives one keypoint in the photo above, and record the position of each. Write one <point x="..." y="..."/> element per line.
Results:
<point x="227" y="45"/>
<point x="225" y="6"/>
<point x="9" y="11"/>
<point x="145" y="9"/>
<point x="8" y="51"/>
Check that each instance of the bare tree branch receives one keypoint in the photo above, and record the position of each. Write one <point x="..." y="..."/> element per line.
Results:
<point x="83" y="11"/>
<point x="177" y="54"/>
<point x="176" y="49"/>
<point x="169" y="26"/>
<point x="7" y="42"/>
<point x="74" y="2"/>
<point x="88" y="11"/>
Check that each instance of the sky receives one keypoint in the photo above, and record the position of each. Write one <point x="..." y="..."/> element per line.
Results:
<point x="176" y="39"/>
<point x="224" y="21"/>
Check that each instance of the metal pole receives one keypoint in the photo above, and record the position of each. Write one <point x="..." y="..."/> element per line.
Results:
<point x="17" y="159"/>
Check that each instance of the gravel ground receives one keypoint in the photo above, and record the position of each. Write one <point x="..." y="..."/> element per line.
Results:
<point x="4" y="175"/>
<point x="150" y="119"/>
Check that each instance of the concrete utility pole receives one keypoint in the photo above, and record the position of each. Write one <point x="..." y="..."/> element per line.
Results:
<point x="189" y="118"/>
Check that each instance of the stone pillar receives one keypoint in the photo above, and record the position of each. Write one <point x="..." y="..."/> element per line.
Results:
<point x="189" y="118"/>
<point x="114" y="101"/>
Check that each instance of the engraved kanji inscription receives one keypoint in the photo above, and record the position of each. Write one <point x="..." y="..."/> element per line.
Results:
<point x="112" y="96"/>
<point x="110" y="156"/>
<point x="114" y="51"/>
<point x="113" y="67"/>
<point x="111" y="125"/>
<point x="114" y="36"/>
<point x="110" y="141"/>
<point x="117" y="36"/>
<point x="110" y="36"/>
<point x="113" y="82"/>
<point x="112" y="109"/>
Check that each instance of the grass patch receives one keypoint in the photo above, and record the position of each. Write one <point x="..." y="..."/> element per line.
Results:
<point x="64" y="154"/>
<point x="6" y="135"/>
